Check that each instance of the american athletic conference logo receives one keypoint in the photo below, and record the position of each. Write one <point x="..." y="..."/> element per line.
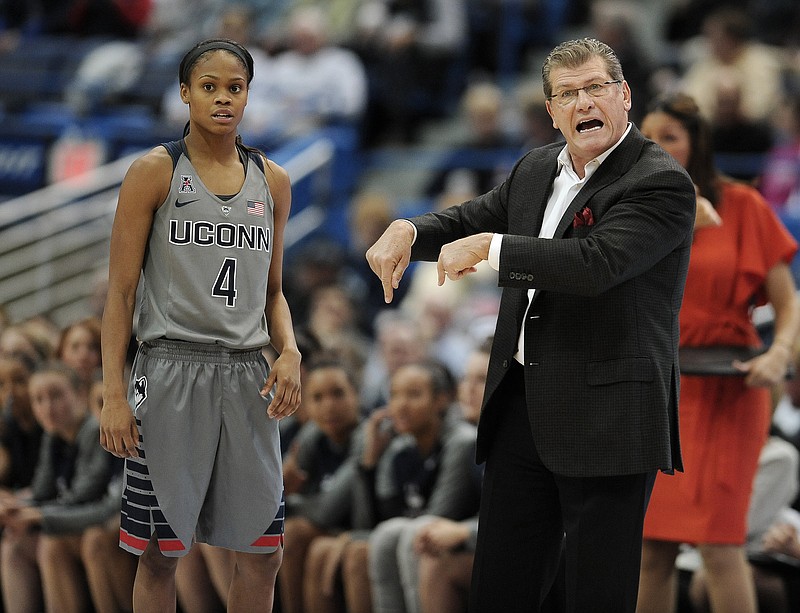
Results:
<point x="187" y="185"/>
<point x="139" y="391"/>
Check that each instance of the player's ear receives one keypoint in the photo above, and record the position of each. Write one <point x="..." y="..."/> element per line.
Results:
<point x="185" y="93"/>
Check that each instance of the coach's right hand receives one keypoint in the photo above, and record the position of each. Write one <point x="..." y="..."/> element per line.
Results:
<point x="390" y="255"/>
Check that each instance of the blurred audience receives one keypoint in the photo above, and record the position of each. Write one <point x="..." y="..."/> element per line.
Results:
<point x="743" y="141"/>
<point x="477" y="159"/>
<point x="369" y="214"/>
<point x="318" y="476"/>
<point x="310" y="84"/>
<point x="414" y="461"/>
<point x="79" y="348"/>
<point x="289" y="427"/>
<point x="780" y="180"/>
<point x="535" y="124"/>
<point x="110" y="18"/>
<point x="433" y="554"/>
<point x="333" y="319"/>
<point x="398" y="341"/>
<point x="340" y="17"/>
<point x="410" y="49"/>
<point x="40" y="546"/>
<point x="20" y="432"/>
<point x="27" y="341"/>
<point x="727" y="50"/>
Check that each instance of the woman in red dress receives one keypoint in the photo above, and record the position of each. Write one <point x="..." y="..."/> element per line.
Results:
<point x="740" y="259"/>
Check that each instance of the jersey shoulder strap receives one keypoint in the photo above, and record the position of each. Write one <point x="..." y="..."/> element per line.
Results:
<point x="175" y="148"/>
<point x="247" y="152"/>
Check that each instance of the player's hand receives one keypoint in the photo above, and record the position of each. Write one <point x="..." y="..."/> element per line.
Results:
<point x="460" y="258"/>
<point x="285" y="378"/>
<point x="118" y="432"/>
<point x="390" y="256"/>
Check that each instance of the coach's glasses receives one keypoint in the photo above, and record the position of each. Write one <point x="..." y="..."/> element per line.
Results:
<point x="595" y="90"/>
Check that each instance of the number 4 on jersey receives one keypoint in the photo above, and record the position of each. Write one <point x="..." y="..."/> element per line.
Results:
<point x="225" y="285"/>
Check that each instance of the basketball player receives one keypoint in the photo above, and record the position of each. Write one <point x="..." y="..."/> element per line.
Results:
<point x="202" y="220"/>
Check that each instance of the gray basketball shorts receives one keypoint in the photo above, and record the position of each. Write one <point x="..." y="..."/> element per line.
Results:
<point x="209" y="465"/>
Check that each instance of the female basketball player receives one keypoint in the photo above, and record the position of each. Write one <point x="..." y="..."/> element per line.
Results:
<point x="202" y="220"/>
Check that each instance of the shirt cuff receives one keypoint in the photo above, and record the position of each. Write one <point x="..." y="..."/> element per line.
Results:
<point x="494" y="251"/>
<point x="410" y="223"/>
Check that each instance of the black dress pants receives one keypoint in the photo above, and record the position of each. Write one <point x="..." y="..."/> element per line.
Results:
<point x="531" y="517"/>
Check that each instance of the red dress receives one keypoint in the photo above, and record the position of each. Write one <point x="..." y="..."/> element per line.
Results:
<point x="723" y="423"/>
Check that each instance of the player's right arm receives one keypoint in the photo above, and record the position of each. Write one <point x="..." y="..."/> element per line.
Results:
<point x="143" y="190"/>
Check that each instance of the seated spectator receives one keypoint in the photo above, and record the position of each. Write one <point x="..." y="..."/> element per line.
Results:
<point x="479" y="154"/>
<point x="783" y="537"/>
<point x="739" y="143"/>
<point x="104" y="73"/>
<point x="424" y="465"/>
<point x="398" y="341"/>
<point x="727" y="46"/>
<point x="340" y="15"/>
<point x="265" y="17"/>
<point x="780" y="180"/>
<point x="403" y="583"/>
<point x="41" y="534"/>
<point x="536" y="125"/>
<point x="23" y="341"/>
<point x="369" y="214"/>
<point x="109" y="569"/>
<point x="319" y="473"/>
<point x="409" y="50"/>
<point x="311" y="84"/>
<point x="333" y="319"/>
<point x="309" y="346"/>
<point x="79" y="348"/>
<point x="20" y="433"/>
<point x="319" y="262"/>
<point x="410" y="459"/>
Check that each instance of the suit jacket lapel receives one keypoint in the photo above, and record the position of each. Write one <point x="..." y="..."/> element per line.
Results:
<point x="615" y="165"/>
<point x="530" y="222"/>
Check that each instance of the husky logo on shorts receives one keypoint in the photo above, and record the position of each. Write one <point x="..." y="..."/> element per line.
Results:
<point x="139" y="391"/>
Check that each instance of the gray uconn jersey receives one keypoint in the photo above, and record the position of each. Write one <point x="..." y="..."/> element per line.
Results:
<point x="207" y="260"/>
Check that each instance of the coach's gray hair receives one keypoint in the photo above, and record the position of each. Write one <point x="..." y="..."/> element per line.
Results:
<point x="574" y="53"/>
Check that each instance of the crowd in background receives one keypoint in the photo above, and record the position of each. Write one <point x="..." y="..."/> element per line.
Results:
<point x="380" y="482"/>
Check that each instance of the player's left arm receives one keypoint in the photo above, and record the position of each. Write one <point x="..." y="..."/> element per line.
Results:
<point x="285" y="372"/>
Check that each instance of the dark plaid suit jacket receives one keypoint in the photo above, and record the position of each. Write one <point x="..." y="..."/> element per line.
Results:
<point x="601" y="335"/>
